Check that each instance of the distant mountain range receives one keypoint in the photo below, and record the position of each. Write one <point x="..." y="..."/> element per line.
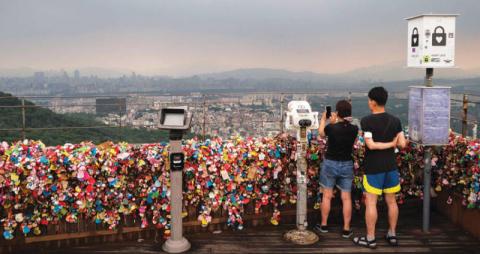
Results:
<point x="380" y="73"/>
<point x="394" y="71"/>
<point x="397" y="71"/>
<point x="266" y="73"/>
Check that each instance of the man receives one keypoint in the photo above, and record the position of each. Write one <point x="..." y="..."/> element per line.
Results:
<point x="382" y="132"/>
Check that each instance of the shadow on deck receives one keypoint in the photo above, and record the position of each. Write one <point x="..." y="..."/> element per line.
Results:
<point x="444" y="238"/>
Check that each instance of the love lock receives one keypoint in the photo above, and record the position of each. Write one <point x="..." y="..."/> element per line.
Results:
<point x="439" y="38"/>
<point x="415" y="37"/>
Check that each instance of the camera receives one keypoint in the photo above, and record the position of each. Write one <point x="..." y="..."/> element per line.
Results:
<point x="299" y="115"/>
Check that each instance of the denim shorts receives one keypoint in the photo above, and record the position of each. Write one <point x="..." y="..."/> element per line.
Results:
<point x="337" y="173"/>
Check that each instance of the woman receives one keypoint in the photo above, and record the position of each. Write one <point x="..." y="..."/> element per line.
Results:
<point x="337" y="167"/>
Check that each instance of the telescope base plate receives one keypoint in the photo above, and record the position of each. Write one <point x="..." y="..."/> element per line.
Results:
<point x="176" y="246"/>
<point x="301" y="237"/>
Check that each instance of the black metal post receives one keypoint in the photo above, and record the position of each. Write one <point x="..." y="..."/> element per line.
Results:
<point x="427" y="170"/>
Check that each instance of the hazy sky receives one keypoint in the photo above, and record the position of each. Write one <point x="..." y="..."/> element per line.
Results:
<point x="181" y="37"/>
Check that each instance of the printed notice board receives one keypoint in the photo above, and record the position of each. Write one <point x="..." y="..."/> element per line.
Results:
<point x="429" y="115"/>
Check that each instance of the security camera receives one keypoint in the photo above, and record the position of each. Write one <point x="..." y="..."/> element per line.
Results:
<point x="299" y="115"/>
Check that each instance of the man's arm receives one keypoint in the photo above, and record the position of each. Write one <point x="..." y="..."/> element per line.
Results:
<point x="368" y="137"/>
<point x="401" y="140"/>
<point x="372" y="145"/>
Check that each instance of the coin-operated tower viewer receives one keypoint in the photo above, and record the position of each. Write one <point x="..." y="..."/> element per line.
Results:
<point x="177" y="121"/>
<point x="299" y="117"/>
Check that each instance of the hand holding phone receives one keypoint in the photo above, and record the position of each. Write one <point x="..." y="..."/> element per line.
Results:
<point x="328" y="109"/>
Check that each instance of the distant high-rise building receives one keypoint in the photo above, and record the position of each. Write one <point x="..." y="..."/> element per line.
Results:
<point x="105" y="106"/>
<point x="65" y="75"/>
<point x="76" y="75"/>
<point x="39" y="77"/>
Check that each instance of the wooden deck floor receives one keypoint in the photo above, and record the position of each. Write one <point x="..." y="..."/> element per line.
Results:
<point x="444" y="238"/>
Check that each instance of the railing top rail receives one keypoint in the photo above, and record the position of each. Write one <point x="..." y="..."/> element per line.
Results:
<point x="194" y="94"/>
<point x="159" y="93"/>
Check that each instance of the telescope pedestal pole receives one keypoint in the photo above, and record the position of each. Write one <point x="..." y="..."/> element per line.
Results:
<point x="176" y="243"/>
<point x="301" y="235"/>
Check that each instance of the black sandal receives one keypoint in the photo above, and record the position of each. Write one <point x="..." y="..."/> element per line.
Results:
<point x="392" y="240"/>
<point x="362" y="241"/>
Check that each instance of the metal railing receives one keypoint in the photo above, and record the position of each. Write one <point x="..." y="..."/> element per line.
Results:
<point x="201" y="104"/>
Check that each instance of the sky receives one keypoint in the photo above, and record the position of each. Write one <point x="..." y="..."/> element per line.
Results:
<point x="180" y="37"/>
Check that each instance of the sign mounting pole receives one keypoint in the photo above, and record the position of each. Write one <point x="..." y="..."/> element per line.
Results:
<point x="427" y="170"/>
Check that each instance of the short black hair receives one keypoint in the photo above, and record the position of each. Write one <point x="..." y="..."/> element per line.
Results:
<point x="379" y="95"/>
<point x="343" y="108"/>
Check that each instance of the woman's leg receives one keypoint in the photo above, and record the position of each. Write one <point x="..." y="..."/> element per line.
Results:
<point x="347" y="209"/>
<point x="327" y="182"/>
<point x="345" y="184"/>
<point x="327" y="197"/>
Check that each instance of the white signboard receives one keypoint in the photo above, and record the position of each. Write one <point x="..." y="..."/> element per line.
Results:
<point x="431" y="41"/>
<point x="429" y="115"/>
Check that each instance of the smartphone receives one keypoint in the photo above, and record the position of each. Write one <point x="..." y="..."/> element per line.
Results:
<point x="329" y="111"/>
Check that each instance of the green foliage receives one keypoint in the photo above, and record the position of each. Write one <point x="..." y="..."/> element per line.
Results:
<point x="38" y="117"/>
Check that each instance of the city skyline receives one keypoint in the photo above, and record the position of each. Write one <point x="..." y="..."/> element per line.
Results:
<point x="190" y="37"/>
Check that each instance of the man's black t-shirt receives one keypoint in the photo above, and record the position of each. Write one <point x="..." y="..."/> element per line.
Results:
<point x="341" y="137"/>
<point x="384" y="128"/>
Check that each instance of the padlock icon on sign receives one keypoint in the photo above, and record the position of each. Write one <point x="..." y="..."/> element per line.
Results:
<point x="439" y="37"/>
<point x="415" y="38"/>
<point x="426" y="59"/>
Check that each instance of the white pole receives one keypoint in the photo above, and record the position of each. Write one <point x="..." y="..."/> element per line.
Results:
<point x="301" y="235"/>
<point x="176" y="243"/>
<point x="301" y="180"/>
<point x="474" y="131"/>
